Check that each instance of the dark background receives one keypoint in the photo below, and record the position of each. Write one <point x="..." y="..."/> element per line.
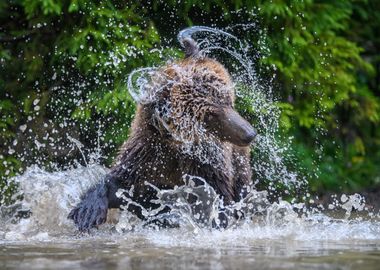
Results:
<point x="63" y="66"/>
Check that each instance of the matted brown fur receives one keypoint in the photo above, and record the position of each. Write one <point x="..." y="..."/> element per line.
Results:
<point x="187" y="127"/>
<point x="153" y="155"/>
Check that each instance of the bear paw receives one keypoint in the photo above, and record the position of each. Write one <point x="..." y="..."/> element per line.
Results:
<point x="91" y="211"/>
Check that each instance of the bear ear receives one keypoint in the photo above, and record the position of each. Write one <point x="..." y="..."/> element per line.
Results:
<point x="190" y="46"/>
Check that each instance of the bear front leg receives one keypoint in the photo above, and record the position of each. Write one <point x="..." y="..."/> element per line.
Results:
<point x="92" y="210"/>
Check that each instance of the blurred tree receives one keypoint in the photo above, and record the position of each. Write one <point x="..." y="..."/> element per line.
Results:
<point x="63" y="66"/>
<point x="324" y="53"/>
<point x="61" y="60"/>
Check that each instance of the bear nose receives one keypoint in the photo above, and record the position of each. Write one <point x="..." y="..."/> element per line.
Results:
<point x="250" y="136"/>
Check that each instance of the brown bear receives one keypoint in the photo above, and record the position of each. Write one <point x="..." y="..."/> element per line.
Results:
<point x="187" y="126"/>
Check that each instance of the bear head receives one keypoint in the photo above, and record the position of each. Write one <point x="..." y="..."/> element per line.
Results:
<point x="192" y="102"/>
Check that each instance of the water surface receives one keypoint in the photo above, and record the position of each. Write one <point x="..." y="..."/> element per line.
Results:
<point x="153" y="251"/>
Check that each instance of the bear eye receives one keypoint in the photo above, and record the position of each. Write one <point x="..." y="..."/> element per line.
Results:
<point x="209" y="117"/>
<point x="210" y="112"/>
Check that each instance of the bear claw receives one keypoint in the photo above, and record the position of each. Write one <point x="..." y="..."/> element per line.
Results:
<point x="86" y="218"/>
<point x="91" y="211"/>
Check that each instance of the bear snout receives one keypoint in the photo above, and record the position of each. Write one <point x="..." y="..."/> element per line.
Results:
<point x="230" y="126"/>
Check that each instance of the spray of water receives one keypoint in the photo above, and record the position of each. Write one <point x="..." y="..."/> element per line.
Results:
<point x="196" y="209"/>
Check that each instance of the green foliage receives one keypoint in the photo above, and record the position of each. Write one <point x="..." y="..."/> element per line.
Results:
<point x="324" y="79"/>
<point x="54" y="53"/>
<point x="63" y="66"/>
<point x="324" y="54"/>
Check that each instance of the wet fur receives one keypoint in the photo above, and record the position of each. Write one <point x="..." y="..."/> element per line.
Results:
<point x="153" y="154"/>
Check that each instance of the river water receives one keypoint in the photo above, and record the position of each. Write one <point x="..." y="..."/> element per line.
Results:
<point x="276" y="238"/>
<point x="156" y="250"/>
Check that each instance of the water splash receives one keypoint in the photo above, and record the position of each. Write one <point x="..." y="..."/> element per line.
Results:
<point x="270" y="153"/>
<point x="46" y="201"/>
<point x="196" y="208"/>
<point x="138" y="87"/>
